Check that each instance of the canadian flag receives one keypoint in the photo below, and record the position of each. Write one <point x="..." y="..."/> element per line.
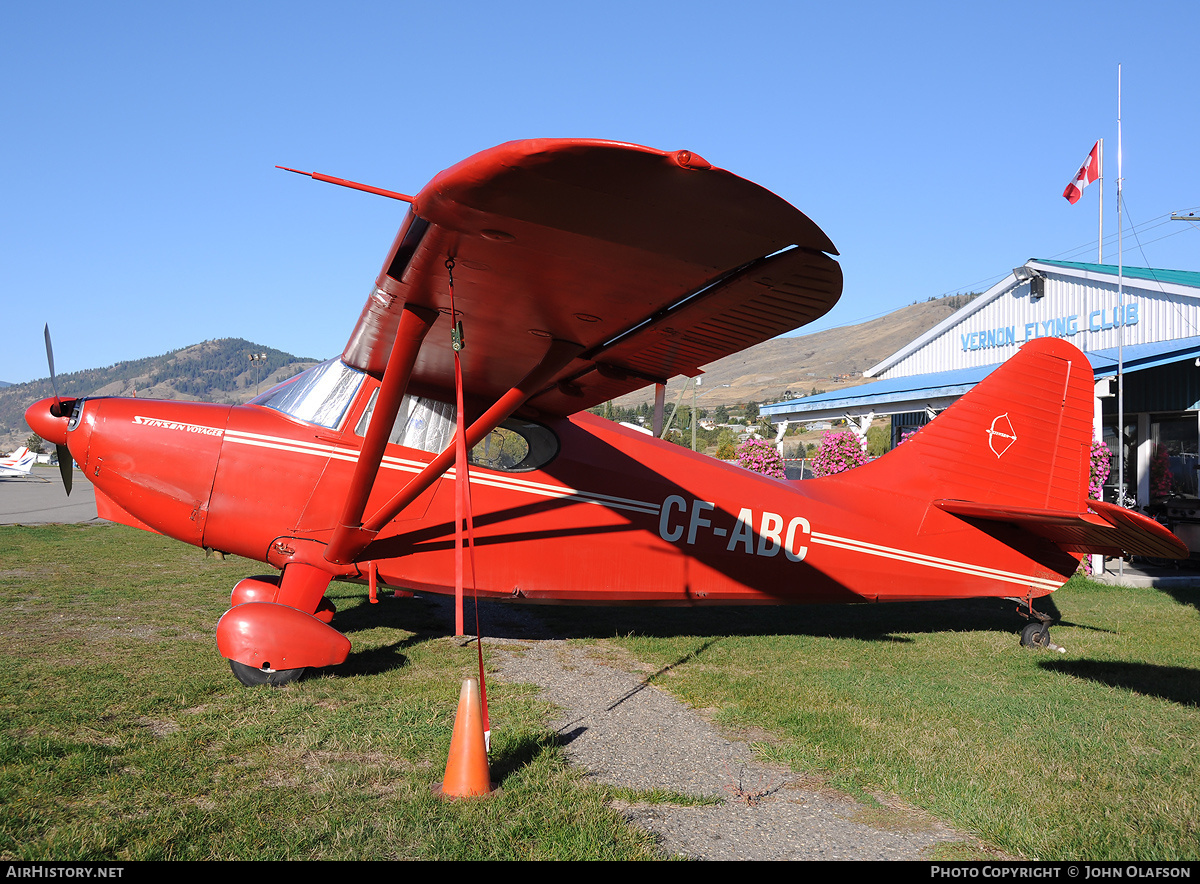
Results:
<point x="1088" y="172"/>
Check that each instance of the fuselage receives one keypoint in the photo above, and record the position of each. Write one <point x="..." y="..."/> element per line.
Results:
<point x="595" y="513"/>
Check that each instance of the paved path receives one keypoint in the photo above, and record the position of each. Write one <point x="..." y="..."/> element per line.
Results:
<point x="625" y="732"/>
<point x="39" y="498"/>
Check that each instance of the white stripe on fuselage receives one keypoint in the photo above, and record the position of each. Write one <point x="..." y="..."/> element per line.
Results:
<point x="481" y="476"/>
<point x="902" y="555"/>
<point x="404" y="465"/>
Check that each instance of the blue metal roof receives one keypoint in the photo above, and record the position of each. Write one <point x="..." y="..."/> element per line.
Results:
<point x="937" y="384"/>
<point x="1140" y="356"/>
<point x="956" y="383"/>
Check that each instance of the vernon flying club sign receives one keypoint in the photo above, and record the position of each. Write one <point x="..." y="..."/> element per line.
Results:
<point x="1058" y="327"/>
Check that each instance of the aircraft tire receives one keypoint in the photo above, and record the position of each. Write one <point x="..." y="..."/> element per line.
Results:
<point x="252" y="677"/>
<point x="1035" y="635"/>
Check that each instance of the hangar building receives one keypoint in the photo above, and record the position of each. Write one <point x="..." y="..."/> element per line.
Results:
<point x="1157" y="310"/>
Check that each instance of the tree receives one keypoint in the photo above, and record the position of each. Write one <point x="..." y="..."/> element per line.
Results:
<point x="879" y="441"/>
<point x="721" y="414"/>
<point x="751" y="413"/>
<point x="726" y="444"/>
<point x="34" y="444"/>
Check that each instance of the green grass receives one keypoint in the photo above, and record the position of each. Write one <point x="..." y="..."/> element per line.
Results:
<point x="123" y="735"/>
<point x="1088" y="755"/>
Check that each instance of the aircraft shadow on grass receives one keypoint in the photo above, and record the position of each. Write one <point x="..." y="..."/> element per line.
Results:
<point x="1184" y="595"/>
<point x="1176" y="684"/>
<point x="428" y="617"/>
<point x="866" y="622"/>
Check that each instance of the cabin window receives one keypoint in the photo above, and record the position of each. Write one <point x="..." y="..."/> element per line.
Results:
<point x="320" y="395"/>
<point x="516" y="446"/>
<point x="421" y="423"/>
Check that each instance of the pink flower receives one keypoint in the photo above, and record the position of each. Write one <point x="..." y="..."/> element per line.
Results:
<point x="1101" y="466"/>
<point x="760" y="456"/>
<point x="839" y="452"/>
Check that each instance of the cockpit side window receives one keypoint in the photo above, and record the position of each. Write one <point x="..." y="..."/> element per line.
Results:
<point x="320" y="395"/>
<point x="420" y="423"/>
<point x="516" y="446"/>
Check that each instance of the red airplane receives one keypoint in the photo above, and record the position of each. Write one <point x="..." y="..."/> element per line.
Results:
<point x="576" y="271"/>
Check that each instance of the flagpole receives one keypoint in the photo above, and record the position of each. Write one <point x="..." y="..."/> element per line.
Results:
<point x="1120" y="305"/>
<point x="1100" y="257"/>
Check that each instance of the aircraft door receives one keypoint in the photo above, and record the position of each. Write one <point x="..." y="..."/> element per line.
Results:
<point x="431" y="424"/>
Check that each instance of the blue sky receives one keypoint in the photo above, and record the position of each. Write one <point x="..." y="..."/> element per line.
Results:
<point x="140" y="210"/>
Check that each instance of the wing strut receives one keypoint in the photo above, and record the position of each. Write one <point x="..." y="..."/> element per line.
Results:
<point x="415" y="323"/>
<point x="558" y="355"/>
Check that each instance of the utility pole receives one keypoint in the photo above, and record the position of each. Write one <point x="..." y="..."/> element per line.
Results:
<point x="255" y="359"/>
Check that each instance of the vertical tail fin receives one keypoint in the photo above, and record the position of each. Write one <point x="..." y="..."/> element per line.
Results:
<point x="1020" y="438"/>
<point x="1017" y="449"/>
<point x="20" y="461"/>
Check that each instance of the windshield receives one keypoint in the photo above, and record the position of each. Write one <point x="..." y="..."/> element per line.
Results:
<point x="320" y="395"/>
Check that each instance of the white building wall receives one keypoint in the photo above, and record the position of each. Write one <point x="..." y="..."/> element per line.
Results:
<point x="1082" y="310"/>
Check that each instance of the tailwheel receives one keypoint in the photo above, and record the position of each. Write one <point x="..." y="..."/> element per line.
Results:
<point x="252" y="676"/>
<point x="1035" y="635"/>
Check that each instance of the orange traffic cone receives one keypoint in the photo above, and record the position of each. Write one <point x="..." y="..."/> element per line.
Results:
<point x="467" y="767"/>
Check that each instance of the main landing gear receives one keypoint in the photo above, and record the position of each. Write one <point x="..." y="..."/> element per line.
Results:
<point x="276" y="628"/>
<point x="251" y="677"/>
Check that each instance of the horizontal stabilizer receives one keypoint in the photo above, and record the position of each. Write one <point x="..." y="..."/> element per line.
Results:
<point x="1108" y="529"/>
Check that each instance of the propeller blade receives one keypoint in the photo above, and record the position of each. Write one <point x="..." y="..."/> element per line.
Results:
<point x="65" y="458"/>
<point x="50" y="359"/>
<point x="64" y="466"/>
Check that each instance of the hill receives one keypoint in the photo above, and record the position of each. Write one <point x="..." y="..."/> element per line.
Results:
<point x="220" y="371"/>
<point x="786" y="368"/>
<point x="212" y="371"/>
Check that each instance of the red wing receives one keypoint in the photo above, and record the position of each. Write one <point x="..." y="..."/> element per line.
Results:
<point x="655" y="262"/>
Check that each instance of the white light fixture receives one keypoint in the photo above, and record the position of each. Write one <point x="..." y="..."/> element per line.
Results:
<point x="1037" y="282"/>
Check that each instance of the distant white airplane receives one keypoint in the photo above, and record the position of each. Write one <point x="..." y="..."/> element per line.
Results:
<point x="19" y="463"/>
